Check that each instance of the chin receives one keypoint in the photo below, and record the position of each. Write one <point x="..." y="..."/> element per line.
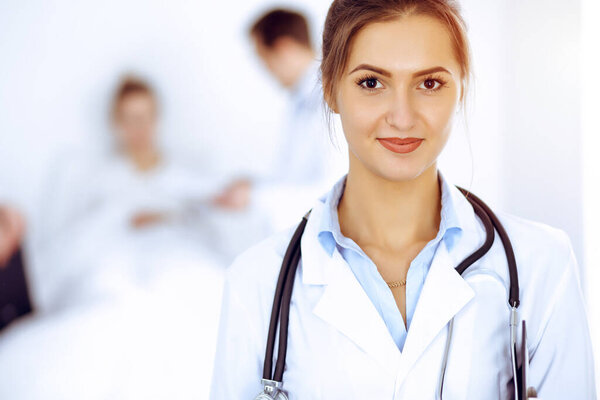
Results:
<point x="397" y="175"/>
<point x="399" y="170"/>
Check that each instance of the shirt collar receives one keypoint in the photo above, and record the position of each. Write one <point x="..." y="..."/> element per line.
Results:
<point x="329" y="232"/>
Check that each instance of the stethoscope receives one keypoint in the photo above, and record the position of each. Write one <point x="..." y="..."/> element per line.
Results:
<point x="272" y="382"/>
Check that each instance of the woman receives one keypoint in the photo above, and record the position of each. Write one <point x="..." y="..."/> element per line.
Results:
<point x="377" y="293"/>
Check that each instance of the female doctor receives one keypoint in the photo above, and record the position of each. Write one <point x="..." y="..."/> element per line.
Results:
<point x="376" y="288"/>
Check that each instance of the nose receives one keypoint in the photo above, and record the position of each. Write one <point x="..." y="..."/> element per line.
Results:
<point x="401" y="113"/>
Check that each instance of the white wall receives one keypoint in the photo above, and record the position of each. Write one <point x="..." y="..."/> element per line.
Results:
<point x="543" y="128"/>
<point x="591" y="164"/>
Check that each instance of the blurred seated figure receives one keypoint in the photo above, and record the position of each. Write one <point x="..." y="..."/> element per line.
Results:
<point x="155" y="187"/>
<point x="306" y="163"/>
<point x="128" y="217"/>
<point x="14" y="293"/>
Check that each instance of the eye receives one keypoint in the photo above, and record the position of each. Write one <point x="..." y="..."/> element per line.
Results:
<point x="370" y="83"/>
<point x="431" y="84"/>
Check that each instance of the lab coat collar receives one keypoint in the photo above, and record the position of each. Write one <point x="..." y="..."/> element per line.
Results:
<point x="345" y="305"/>
<point x="444" y="294"/>
<point x="314" y="257"/>
<point x="463" y="210"/>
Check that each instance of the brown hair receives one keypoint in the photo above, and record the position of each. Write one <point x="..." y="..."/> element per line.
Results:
<point x="346" y="17"/>
<point x="128" y="86"/>
<point x="278" y="23"/>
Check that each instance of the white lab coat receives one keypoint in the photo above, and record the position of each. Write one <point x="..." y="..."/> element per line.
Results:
<point x="340" y="348"/>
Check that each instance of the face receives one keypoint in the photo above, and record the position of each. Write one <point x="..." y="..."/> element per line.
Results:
<point x="276" y="59"/>
<point x="135" y="122"/>
<point x="398" y="96"/>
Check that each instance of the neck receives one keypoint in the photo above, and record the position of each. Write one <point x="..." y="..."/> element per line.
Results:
<point x="377" y="212"/>
<point x="144" y="159"/>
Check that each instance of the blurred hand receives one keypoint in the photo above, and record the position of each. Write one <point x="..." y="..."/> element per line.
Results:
<point x="236" y="196"/>
<point x="146" y="219"/>
<point x="12" y="228"/>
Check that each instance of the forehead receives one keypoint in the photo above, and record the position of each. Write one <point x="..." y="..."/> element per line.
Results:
<point x="403" y="45"/>
<point x="137" y="97"/>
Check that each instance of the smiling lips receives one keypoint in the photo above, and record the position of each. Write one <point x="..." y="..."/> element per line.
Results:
<point x="398" y="145"/>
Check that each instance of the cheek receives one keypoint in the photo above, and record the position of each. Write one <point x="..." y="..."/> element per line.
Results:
<point x="437" y="115"/>
<point x="360" y="116"/>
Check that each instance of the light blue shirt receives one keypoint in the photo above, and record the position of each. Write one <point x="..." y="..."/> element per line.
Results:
<point x="332" y="239"/>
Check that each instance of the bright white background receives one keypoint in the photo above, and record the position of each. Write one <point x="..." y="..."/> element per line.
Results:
<point x="532" y="122"/>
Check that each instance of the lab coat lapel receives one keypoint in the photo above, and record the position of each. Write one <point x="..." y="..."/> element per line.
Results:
<point x="444" y="294"/>
<point x="344" y="304"/>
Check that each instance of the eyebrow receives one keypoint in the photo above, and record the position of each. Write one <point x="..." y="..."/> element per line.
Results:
<point x="388" y="74"/>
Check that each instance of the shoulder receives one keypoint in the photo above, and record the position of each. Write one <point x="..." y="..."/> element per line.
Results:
<point x="543" y="253"/>
<point x="546" y="265"/>
<point x="259" y="265"/>
<point x="535" y="241"/>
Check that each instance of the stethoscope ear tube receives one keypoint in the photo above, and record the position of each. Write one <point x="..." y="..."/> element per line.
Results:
<point x="285" y="316"/>
<point x="489" y="239"/>
<point x="282" y="299"/>
<point x="513" y="299"/>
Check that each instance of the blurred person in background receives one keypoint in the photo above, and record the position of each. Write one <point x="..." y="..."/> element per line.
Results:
<point x="158" y="188"/>
<point x="159" y="191"/>
<point x="126" y="217"/>
<point x="303" y="167"/>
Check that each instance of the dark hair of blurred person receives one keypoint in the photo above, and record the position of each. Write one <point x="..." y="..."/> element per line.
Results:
<point x="135" y="117"/>
<point x="282" y="40"/>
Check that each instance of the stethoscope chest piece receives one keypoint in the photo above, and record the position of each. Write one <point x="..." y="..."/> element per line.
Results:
<point x="278" y="396"/>
<point x="271" y="391"/>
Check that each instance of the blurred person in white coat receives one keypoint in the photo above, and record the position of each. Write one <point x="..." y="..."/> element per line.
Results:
<point x="377" y="295"/>
<point x="306" y="161"/>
